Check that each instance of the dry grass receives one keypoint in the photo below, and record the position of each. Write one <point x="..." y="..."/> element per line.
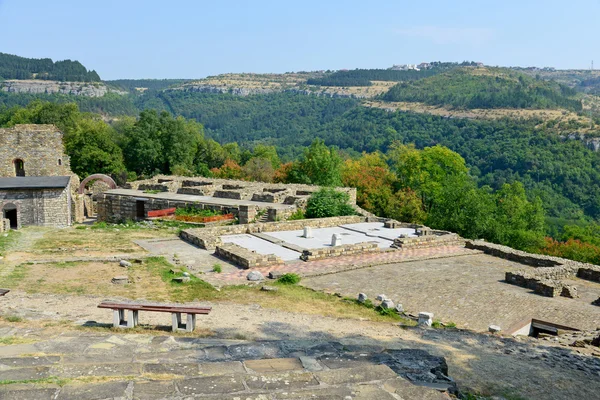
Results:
<point x="558" y="117"/>
<point x="87" y="278"/>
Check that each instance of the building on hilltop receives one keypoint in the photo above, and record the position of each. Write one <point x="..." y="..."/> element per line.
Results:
<point x="37" y="186"/>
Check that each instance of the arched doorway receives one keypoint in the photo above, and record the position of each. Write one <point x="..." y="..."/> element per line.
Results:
<point x="19" y="167"/>
<point x="104" y="178"/>
<point x="9" y="212"/>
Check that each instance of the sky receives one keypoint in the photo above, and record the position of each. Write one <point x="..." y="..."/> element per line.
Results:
<point x="193" y="39"/>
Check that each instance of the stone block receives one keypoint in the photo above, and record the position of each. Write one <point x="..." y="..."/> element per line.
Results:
<point x="120" y="280"/>
<point x="569" y="291"/>
<point x="255" y="276"/>
<point x="387" y="304"/>
<point x="494" y="328"/>
<point x="125" y="263"/>
<point x="362" y="297"/>
<point x="425" y="319"/>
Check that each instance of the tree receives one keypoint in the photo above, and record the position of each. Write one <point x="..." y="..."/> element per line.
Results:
<point x="267" y="152"/>
<point x="259" y="169"/>
<point x="319" y="165"/>
<point x="328" y="202"/>
<point x="92" y="149"/>
<point x="229" y="170"/>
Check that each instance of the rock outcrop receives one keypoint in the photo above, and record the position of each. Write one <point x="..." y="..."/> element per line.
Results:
<point x="90" y="89"/>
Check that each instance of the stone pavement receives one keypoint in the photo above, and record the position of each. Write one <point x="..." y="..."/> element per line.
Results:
<point x="89" y="366"/>
<point x="339" y="264"/>
<point x="468" y="290"/>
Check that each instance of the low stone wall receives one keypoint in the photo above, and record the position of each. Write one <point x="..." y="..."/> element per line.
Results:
<point x="161" y="188"/>
<point x="496" y="250"/>
<point x="245" y="258"/>
<point x="589" y="274"/>
<point x="449" y="239"/>
<point x="210" y="238"/>
<point x="339" y="251"/>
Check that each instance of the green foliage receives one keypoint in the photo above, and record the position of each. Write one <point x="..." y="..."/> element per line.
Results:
<point x="13" y="318"/>
<point x="196" y="212"/>
<point x="493" y="88"/>
<point x="363" y="77"/>
<point x="328" y="202"/>
<point x="297" y="215"/>
<point x="319" y="165"/>
<point x="217" y="268"/>
<point x="289" y="279"/>
<point x="15" y="67"/>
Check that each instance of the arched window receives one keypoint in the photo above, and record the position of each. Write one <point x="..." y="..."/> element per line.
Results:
<point x="19" y="167"/>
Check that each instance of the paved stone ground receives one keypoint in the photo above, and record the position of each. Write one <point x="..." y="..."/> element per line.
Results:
<point x="338" y="264"/>
<point x="101" y="366"/>
<point x="468" y="290"/>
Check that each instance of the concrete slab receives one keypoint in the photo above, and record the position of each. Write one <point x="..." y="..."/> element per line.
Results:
<point x="93" y="392"/>
<point x="24" y="374"/>
<point x="185" y="369"/>
<point x="366" y="373"/>
<point x="288" y="381"/>
<point x="274" y="365"/>
<point x="15" y="362"/>
<point x="376" y="229"/>
<point x="77" y="370"/>
<point x="261" y="246"/>
<point x="211" y="385"/>
<point x="153" y="390"/>
<point x="222" y="368"/>
<point x="322" y="237"/>
<point x="28" y="393"/>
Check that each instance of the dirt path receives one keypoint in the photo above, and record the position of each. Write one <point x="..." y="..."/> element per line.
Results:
<point x="524" y="367"/>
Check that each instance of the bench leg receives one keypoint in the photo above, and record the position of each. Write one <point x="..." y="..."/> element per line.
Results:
<point x="131" y="317"/>
<point x="190" y="323"/>
<point x="176" y="318"/>
<point x="116" y="318"/>
<point x="136" y="318"/>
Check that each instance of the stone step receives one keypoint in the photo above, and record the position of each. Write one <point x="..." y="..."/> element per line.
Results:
<point x="367" y="382"/>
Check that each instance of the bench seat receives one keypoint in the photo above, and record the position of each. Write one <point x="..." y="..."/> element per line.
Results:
<point x="119" y="320"/>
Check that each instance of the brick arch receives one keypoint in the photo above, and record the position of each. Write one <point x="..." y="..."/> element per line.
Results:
<point x="104" y="178"/>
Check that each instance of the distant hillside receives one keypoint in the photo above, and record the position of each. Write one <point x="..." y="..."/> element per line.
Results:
<point x="364" y="77"/>
<point x="483" y="88"/>
<point x="15" y="67"/>
<point x="142" y="85"/>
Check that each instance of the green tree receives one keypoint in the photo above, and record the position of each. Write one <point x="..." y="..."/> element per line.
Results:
<point x="328" y="202"/>
<point x="319" y="165"/>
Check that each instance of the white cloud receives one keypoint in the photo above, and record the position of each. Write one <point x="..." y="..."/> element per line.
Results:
<point x="443" y="35"/>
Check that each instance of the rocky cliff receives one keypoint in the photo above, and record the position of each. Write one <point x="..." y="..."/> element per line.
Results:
<point x="93" y="89"/>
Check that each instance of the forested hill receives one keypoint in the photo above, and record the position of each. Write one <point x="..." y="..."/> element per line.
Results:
<point x="472" y="88"/>
<point x="142" y="85"/>
<point x="364" y="77"/>
<point x="15" y="67"/>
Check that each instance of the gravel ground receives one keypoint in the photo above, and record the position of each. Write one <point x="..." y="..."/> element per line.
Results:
<point x="525" y="367"/>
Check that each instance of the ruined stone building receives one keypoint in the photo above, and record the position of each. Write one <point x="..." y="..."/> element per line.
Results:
<point x="37" y="186"/>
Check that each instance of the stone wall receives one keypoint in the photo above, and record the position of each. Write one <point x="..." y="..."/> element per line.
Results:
<point x="39" y="146"/>
<point x="244" y="257"/>
<point x="44" y="207"/>
<point x="210" y="238"/>
<point x="339" y="251"/>
<point x="239" y="190"/>
<point x="117" y="208"/>
<point x="447" y="239"/>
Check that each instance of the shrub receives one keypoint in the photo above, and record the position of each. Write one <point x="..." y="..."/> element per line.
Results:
<point x="328" y="202"/>
<point x="298" y="214"/>
<point x="217" y="268"/>
<point x="13" y="318"/>
<point x="196" y="212"/>
<point x="289" y="279"/>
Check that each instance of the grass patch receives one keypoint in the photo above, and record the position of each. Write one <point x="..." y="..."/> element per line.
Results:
<point x="289" y="279"/>
<point x="291" y="298"/>
<point x="217" y="268"/>
<point x="441" y="325"/>
<point x="12" y="340"/>
<point x="7" y="240"/>
<point x="13" y="318"/>
<point x="196" y="212"/>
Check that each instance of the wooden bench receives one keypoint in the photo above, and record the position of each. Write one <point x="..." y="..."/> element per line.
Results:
<point x="3" y="292"/>
<point x="119" y="320"/>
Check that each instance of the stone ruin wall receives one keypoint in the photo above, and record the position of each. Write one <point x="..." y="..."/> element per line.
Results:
<point x="39" y="146"/>
<point x="547" y="277"/>
<point x="210" y="238"/>
<point x="292" y="194"/>
<point x="43" y="207"/>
